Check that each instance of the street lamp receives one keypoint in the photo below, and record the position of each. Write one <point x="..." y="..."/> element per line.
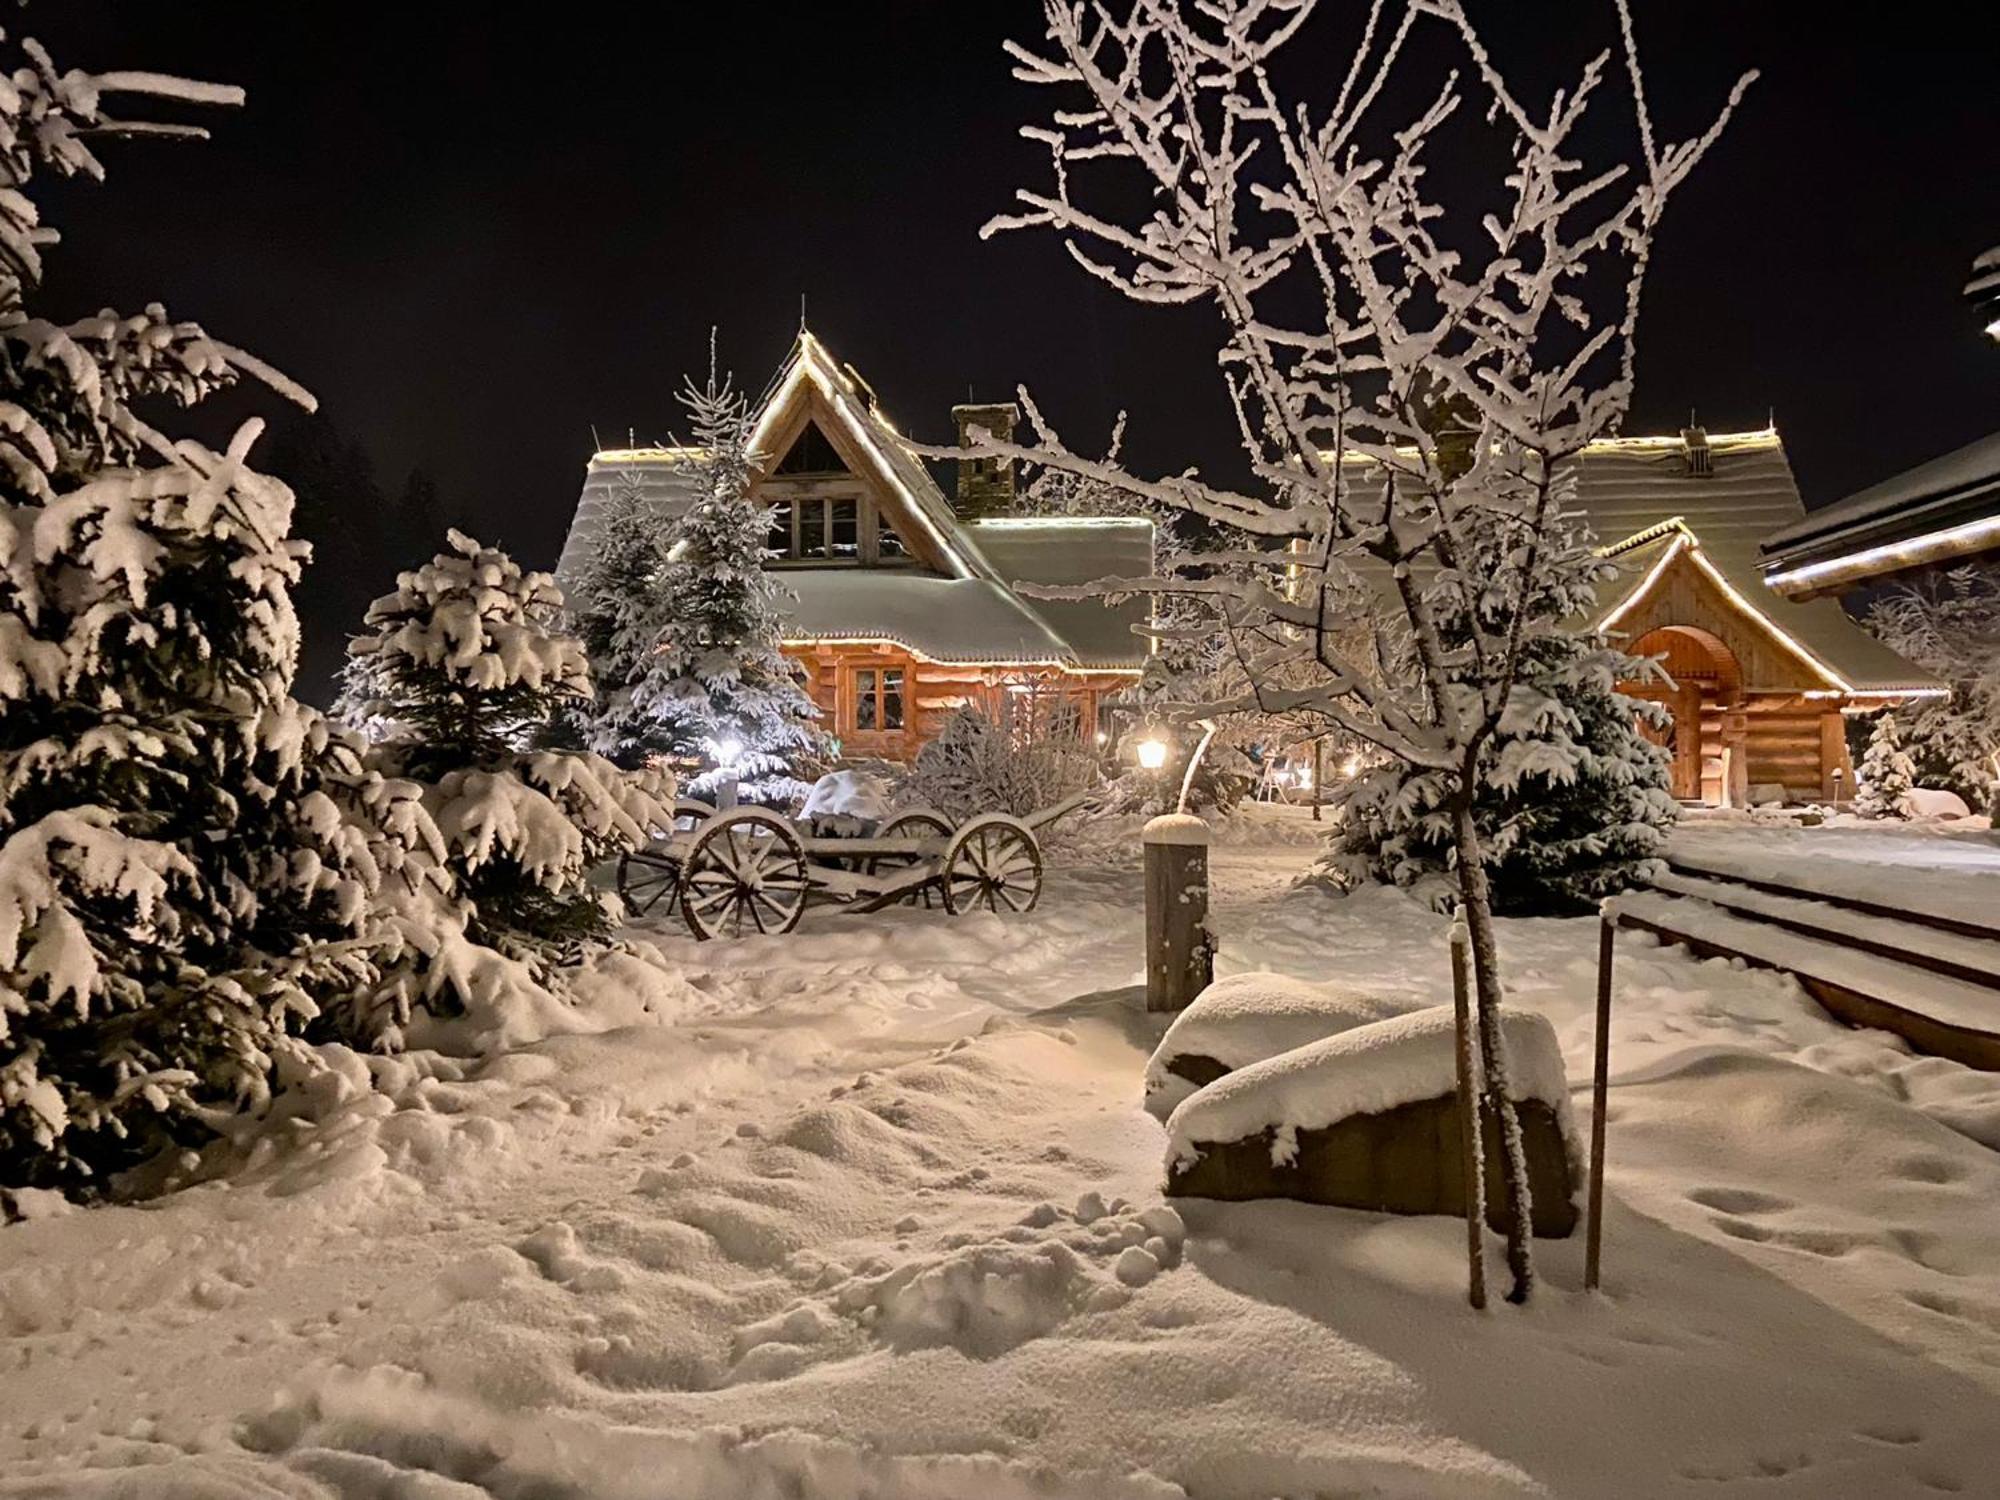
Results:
<point x="1152" y="752"/>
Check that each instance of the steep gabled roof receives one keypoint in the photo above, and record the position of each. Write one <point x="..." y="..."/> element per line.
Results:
<point x="969" y="615"/>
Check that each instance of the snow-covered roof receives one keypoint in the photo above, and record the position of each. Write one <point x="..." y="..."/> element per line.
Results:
<point x="1071" y="550"/>
<point x="963" y="620"/>
<point x="970" y="613"/>
<point x="1948" y="507"/>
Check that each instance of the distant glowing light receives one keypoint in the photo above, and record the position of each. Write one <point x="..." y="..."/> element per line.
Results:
<point x="1152" y="753"/>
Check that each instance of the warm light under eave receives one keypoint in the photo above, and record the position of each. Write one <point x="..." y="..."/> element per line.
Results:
<point x="1952" y="541"/>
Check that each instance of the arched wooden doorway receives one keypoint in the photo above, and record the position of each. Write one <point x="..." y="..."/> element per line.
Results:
<point x="1705" y="699"/>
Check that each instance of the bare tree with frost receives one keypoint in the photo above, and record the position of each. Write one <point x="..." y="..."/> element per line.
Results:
<point x="1354" y="304"/>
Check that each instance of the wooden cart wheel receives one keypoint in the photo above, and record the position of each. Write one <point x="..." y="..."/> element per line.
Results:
<point x="995" y="864"/>
<point x="690" y="813"/>
<point x="648" y="881"/>
<point x="918" y="823"/>
<point x="745" y="872"/>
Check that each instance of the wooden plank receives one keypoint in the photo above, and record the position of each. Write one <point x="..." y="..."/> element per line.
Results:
<point x="1965" y="963"/>
<point x="1694" y="866"/>
<point x="1975" y="1049"/>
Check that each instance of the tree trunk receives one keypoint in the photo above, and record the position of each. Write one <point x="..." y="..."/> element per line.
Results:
<point x="1475" y="901"/>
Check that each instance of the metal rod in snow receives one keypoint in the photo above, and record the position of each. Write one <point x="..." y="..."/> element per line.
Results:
<point x="1187" y="781"/>
<point x="1471" y="1157"/>
<point x="1600" y="1078"/>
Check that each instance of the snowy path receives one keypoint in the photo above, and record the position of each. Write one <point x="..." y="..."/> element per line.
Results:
<point x="831" y="1231"/>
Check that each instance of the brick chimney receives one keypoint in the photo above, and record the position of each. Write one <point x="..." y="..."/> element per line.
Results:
<point x="985" y="485"/>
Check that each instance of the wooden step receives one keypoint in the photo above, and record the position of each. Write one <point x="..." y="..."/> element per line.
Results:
<point x="1935" y="1012"/>
<point x="1974" y="960"/>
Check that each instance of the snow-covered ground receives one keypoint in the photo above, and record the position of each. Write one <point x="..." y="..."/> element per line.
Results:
<point x="854" y="1213"/>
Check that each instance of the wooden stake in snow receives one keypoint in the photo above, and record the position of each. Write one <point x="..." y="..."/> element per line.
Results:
<point x="1472" y="1156"/>
<point x="1599" y="1083"/>
<point x="1180" y="956"/>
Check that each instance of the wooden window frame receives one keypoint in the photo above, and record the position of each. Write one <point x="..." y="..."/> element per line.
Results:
<point x="850" y="695"/>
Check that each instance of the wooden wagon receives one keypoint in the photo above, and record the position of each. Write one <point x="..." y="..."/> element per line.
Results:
<point x="749" y="869"/>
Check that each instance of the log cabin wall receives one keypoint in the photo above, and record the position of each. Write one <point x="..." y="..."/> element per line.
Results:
<point x="927" y="693"/>
<point x="1742" y="717"/>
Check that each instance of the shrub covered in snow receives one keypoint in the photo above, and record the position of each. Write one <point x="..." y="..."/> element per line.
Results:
<point x="1886" y="774"/>
<point x="975" y="764"/>
<point x="189" y="859"/>
<point x="1950" y="625"/>
<point x="459" y="670"/>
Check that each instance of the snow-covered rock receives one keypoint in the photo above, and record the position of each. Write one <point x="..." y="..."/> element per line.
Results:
<point x="1369" y="1119"/>
<point x="1244" y="1019"/>
<point x="1936" y="802"/>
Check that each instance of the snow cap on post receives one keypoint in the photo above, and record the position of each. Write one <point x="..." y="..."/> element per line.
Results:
<point x="1175" y="828"/>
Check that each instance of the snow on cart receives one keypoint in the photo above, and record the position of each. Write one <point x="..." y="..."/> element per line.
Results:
<point x="751" y="870"/>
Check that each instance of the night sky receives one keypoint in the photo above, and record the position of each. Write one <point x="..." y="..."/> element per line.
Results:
<point x="475" y="241"/>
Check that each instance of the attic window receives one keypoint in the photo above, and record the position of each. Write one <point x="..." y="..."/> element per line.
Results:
<point x="811" y="454"/>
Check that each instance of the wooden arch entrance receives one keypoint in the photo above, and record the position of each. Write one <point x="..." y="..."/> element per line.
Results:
<point x="1706" y="738"/>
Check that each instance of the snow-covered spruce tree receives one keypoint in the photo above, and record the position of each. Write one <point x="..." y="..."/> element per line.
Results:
<point x="1346" y="293"/>
<point x="456" y="674"/>
<point x="1573" y="804"/>
<point x="1949" y="623"/>
<point x="1887" y="774"/>
<point x="718" y="688"/>
<point x="616" y="607"/>
<point x="189" y="858"/>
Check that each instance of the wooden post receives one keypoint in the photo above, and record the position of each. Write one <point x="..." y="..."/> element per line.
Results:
<point x="1319" y="774"/>
<point x="1470" y="1154"/>
<point x="1736" y="759"/>
<point x="725" y="792"/>
<point x="1599" y="1084"/>
<point x="1180" y="958"/>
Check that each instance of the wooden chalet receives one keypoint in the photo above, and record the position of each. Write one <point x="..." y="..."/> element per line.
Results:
<point x="906" y="604"/>
<point x="1760" y="680"/>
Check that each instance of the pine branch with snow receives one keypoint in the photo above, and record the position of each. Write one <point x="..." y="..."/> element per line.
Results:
<point x="189" y="858"/>
<point x="1949" y="623"/>
<point x="616" y="607"/>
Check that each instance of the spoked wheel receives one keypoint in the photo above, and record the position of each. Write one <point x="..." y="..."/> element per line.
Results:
<point x="993" y="864"/>
<point x="918" y="824"/>
<point x="690" y="813"/>
<point x="745" y="873"/>
<point x="648" y="881"/>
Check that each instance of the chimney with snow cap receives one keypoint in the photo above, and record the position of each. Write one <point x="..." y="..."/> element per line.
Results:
<point x="1699" y="456"/>
<point x="985" y="485"/>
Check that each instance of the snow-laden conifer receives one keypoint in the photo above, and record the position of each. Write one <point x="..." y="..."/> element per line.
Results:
<point x="1886" y="775"/>
<point x="718" y="688"/>
<point x="458" y="672"/>
<point x="616" y="607"/>
<point x="189" y="858"/>
<point x="1949" y="623"/>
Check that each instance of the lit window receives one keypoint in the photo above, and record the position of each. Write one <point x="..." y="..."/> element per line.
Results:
<point x="878" y="699"/>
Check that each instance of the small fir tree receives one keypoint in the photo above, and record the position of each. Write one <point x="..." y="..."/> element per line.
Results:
<point x="718" y="687"/>
<point x="616" y="608"/>
<point x="1573" y="804"/>
<point x="1887" y="774"/>
<point x="459" y="671"/>
<point x="1949" y="623"/>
